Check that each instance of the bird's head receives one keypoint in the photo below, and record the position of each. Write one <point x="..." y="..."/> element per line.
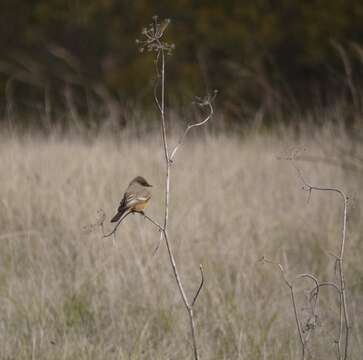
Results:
<point x="140" y="180"/>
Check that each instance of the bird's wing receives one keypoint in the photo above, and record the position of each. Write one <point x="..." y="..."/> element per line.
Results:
<point x="144" y="194"/>
<point x="131" y="198"/>
<point x="123" y="203"/>
<point x="140" y="195"/>
<point x="134" y="195"/>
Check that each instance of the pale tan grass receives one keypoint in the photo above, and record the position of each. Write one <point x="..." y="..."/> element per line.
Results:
<point x="69" y="294"/>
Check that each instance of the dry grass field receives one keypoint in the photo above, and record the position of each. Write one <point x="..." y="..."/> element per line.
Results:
<point x="67" y="293"/>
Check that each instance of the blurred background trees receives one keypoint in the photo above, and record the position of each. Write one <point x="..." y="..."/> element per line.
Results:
<point x="79" y="57"/>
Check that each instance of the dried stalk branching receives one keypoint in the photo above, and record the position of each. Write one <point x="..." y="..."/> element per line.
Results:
<point x="152" y="41"/>
<point x="293" y="301"/>
<point x="206" y="102"/>
<point x="188" y="304"/>
<point x="304" y="332"/>
<point x="344" y="327"/>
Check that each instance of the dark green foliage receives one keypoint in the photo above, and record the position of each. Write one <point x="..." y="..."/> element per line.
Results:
<point x="259" y="54"/>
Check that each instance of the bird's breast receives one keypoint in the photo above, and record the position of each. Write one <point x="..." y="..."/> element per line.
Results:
<point x="140" y="206"/>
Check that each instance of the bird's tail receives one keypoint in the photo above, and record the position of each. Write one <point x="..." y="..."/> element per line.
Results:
<point x="120" y="212"/>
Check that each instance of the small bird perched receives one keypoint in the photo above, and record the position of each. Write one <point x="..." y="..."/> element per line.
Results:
<point x="135" y="198"/>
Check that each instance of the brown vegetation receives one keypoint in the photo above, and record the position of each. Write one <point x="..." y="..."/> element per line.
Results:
<point x="66" y="293"/>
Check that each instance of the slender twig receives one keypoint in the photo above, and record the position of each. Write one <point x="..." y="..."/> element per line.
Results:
<point x="200" y="285"/>
<point x="293" y="301"/>
<point x="117" y="225"/>
<point x="158" y="245"/>
<point x="344" y="325"/>
<point x="317" y="285"/>
<point x="155" y="223"/>
<point x="157" y="82"/>
<point x="315" y="306"/>
<point x="152" y="42"/>
<point x="314" y="294"/>
<point x="207" y="102"/>
<point x="327" y="284"/>
<point x="159" y="227"/>
<point x="344" y="317"/>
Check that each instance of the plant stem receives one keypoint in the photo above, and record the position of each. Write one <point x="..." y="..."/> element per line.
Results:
<point x="166" y="210"/>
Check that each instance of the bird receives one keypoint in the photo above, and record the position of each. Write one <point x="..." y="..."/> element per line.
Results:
<point x="135" y="198"/>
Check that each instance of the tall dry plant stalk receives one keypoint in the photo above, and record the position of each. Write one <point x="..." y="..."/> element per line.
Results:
<point x="304" y="331"/>
<point x="152" y="41"/>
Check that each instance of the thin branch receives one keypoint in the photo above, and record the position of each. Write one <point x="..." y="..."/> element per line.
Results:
<point x="344" y="324"/>
<point x="157" y="82"/>
<point x="160" y="228"/>
<point x="116" y="226"/>
<point x="298" y="325"/>
<point x="293" y="301"/>
<point x="158" y="245"/>
<point x="207" y="102"/>
<point x="157" y="225"/>
<point x="166" y="211"/>
<point x="152" y="42"/>
<point x="317" y="285"/>
<point x="315" y="307"/>
<point x="200" y="286"/>
<point x="282" y="270"/>
<point x="308" y="276"/>
<point x="327" y="284"/>
<point x="339" y="260"/>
